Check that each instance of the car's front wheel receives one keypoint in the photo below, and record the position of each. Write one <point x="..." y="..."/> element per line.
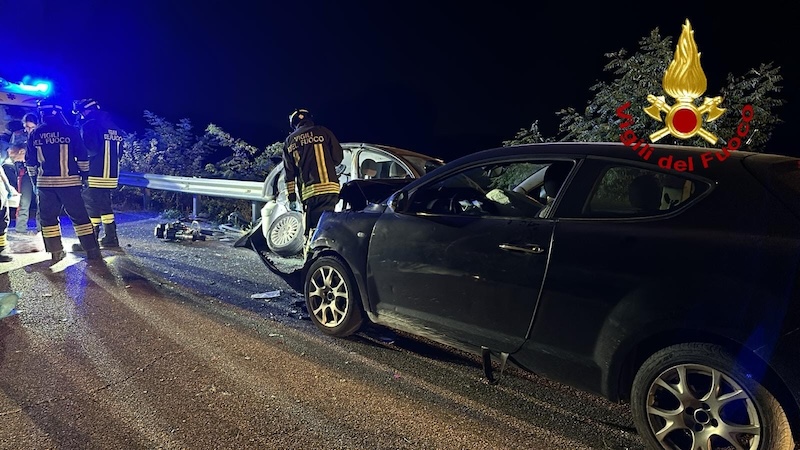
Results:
<point x="285" y="236"/>
<point x="332" y="297"/>
<point x="696" y="396"/>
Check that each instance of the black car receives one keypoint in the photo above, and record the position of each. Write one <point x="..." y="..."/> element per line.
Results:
<point x="677" y="291"/>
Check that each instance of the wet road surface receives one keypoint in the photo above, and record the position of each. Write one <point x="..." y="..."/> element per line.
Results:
<point x="163" y="347"/>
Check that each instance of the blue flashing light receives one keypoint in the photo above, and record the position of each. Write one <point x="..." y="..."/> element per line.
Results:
<point x="38" y="87"/>
<point x="35" y="87"/>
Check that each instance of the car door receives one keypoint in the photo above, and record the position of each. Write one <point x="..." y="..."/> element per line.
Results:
<point x="463" y="261"/>
<point x="615" y="236"/>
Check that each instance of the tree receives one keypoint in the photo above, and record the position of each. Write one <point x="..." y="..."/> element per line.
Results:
<point x="167" y="148"/>
<point x="527" y="136"/>
<point x="637" y="75"/>
<point x="247" y="162"/>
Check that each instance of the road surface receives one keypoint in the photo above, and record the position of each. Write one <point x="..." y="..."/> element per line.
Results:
<point x="162" y="346"/>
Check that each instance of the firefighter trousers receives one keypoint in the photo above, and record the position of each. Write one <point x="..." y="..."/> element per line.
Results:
<point x="51" y="201"/>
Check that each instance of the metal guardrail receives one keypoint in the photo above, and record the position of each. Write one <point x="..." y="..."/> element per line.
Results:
<point x="211" y="187"/>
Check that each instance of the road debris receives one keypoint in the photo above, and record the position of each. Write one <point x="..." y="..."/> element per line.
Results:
<point x="268" y="294"/>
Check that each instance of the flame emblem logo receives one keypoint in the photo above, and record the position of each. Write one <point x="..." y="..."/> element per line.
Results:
<point x="684" y="81"/>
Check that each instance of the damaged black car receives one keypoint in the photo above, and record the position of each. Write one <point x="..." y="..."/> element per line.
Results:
<point x="675" y="291"/>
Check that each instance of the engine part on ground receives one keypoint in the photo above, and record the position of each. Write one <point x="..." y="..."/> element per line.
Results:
<point x="177" y="231"/>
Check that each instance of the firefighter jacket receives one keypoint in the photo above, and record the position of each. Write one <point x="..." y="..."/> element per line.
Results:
<point x="310" y="156"/>
<point x="56" y="155"/>
<point x="103" y="141"/>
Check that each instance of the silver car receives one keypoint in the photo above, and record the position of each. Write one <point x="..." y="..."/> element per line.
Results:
<point x="283" y="228"/>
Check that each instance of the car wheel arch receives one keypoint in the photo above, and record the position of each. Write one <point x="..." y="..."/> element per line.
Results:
<point x="622" y="370"/>
<point x="357" y="278"/>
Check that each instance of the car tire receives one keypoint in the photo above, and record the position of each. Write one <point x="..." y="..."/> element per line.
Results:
<point x="285" y="235"/>
<point x="672" y="388"/>
<point x="332" y="298"/>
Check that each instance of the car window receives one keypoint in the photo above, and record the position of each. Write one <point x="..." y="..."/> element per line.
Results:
<point x="380" y="165"/>
<point x="623" y="191"/>
<point x="782" y="178"/>
<point x="509" y="189"/>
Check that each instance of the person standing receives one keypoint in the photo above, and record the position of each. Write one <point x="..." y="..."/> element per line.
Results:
<point x="27" y="190"/>
<point x="103" y="139"/>
<point x="6" y="192"/>
<point x="57" y="161"/>
<point x="5" y="143"/>
<point x="310" y="156"/>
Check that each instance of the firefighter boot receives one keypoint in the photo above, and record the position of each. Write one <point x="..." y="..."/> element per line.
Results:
<point x="94" y="254"/>
<point x="109" y="240"/>
<point x="79" y="247"/>
<point x="3" y="256"/>
<point x="89" y="242"/>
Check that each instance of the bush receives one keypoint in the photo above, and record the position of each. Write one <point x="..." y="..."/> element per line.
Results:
<point x="166" y="148"/>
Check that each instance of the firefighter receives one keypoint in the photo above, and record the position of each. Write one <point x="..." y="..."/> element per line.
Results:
<point x="310" y="156"/>
<point x="25" y="186"/>
<point x="104" y="142"/>
<point x="6" y="192"/>
<point x="57" y="161"/>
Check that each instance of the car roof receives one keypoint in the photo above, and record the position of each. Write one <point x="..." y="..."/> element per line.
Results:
<point x="618" y="150"/>
<point x="397" y="151"/>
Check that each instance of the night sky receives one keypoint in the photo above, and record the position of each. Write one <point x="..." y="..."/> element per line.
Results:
<point x="443" y="78"/>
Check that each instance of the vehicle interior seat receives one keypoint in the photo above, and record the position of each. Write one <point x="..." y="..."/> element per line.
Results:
<point x="369" y="168"/>
<point x="675" y="192"/>
<point x="644" y="193"/>
<point x="396" y="170"/>
<point x="554" y="177"/>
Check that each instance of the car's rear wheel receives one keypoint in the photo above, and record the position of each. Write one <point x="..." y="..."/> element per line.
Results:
<point x="332" y="297"/>
<point x="696" y="395"/>
<point x="285" y="236"/>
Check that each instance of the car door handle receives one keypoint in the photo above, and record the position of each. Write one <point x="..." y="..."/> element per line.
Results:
<point x="516" y="248"/>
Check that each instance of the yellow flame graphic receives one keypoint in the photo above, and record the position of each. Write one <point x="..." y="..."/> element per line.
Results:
<point x="684" y="78"/>
<point x="684" y="81"/>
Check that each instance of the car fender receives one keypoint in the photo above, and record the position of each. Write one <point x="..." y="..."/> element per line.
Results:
<point x="346" y="234"/>
<point x="660" y="316"/>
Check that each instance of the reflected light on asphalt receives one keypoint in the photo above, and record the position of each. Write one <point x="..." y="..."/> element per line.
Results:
<point x="75" y="278"/>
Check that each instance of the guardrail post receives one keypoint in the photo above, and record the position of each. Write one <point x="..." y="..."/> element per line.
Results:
<point x="254" y="212"/>
<point x="195" y="206"/>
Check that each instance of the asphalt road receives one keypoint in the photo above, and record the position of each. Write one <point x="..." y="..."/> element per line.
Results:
<point x="162" y="346"/>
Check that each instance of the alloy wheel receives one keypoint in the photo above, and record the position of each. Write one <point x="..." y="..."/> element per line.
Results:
<point x="328" y="296"/>
<point x="692" y="406"/>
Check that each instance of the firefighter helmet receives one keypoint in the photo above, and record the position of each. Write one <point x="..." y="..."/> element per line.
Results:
<point x="78" y="106"/>
<point x="297" y="116"/>
<point x="48" y="107"/>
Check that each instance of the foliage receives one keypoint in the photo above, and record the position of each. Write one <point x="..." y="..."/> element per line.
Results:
<point x="247" y="162"/>
<point x="172" y="214"/>
<point x="527" y="136"/>
<point x="634" y="76"/>
<point x="167" y="148"/>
